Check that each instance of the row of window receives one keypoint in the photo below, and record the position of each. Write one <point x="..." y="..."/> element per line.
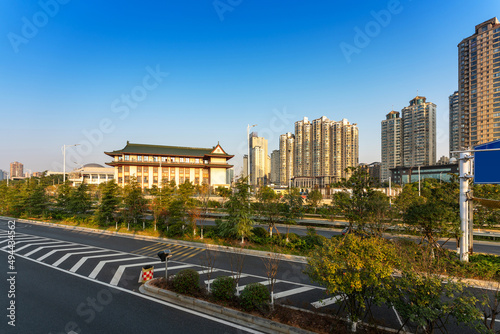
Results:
<point x="150" y="158"/>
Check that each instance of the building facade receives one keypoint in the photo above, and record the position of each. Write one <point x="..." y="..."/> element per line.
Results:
<point x="259" y="160"/>
<point x="275" y="167"/>
<point x="403" y="175"/>
<point x="91" y="174"/>
<point x="323" y="149"/>
<point x="152" y="164"/>
<point x="479" y="85"/>
<point x="419" y="133"/>
<point x="391" y="144"/>
<point x="287" y="150"/>
<point x="16" y="170"/>
<point x="454" y="124"/>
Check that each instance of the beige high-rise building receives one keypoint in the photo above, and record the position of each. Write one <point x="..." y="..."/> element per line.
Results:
<point x="275" y="167"/>
<point x="391" y="144"/>
<point x="259" y="160"/>
<point x="287" y="152"/>
<point x="16" y="169"/>
<point x="323" y="150"/>
<point x="419" y="133"/>
<point x="479" y="85"/>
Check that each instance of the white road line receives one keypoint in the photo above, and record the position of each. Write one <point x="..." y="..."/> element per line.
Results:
<point x="153" y="299"/>
<point x="17" y="240"/>
<point x="266" y="282"/>
<point x="233" y="276"/>
<point x="101" y="264"/>
<point x="61" y="260"/>
<point x="326" y="302"/>
<point x="291" y="292"/>
<point x="43" y="257"/>
<point x="39" y="243"/>
<point x="177" y="267"/>
<point x="83" y="259"/>
<point x="201" y="272"/>
<point x="119" y="272"/>
<point x="40" y="248"/>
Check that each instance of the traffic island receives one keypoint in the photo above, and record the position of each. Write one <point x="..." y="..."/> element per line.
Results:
<point x="283" y="319"/>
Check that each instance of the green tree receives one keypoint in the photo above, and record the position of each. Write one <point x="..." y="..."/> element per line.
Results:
<point x="238" y="223"/>
<point x="79" y="200"/>
<point x="426" y="303"/>
<point x="437" y="215"/>
<point x="224" y="193"/>
<point x="269" y="207"/>
<point x="355" y="269"/>
<point x="36" y="201"/>
<point x="134" y="203"/>
<point x="63" y="196"/>
<point x="109" y="203"/>
<point x="314" y="198"/>
<point x="365" y="208"/>
<point x="293" y="207"/>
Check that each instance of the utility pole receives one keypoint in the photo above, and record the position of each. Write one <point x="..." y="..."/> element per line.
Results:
<point x="465" y="174"/>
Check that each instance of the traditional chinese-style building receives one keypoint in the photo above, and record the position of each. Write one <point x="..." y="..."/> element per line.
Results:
<point x="152" y="164"/>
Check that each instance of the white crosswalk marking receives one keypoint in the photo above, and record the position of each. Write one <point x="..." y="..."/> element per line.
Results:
<point x="61" y="260"/>
<point x="201" y="272"/>
<point x="19" y="241"/>
<point x="326" y="302"/>
<point x="40" y="248"/>
<point x="119" y="272"/>
<point x="39" y="243"/>
<point x="175" y="267"/>
<point x="101" y="264"/>
<point x="233" y="276"/>
<point x="43" y="257"/>
<point x="266" y="282"/>
<point x="292" y="292"/>
<point x="84" y="259"/>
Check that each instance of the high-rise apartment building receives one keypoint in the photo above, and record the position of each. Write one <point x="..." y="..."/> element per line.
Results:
<point x="391" y="144"/>
<point x="479" y="85"/>
<point x="419" y="133"/>
<point x="259" y="160"/>
<point x="287" y="152"/>
<point x="323" y="149"/>
<point x="454" y="123"/>
<point x="16" y="169"/>
<point x="275" y="167"/>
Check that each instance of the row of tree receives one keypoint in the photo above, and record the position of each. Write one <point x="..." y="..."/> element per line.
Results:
<point x="431" y="212"/>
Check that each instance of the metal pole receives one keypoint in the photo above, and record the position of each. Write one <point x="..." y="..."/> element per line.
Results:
<point x="64" y="163"/>
<point x="166" y="269"/>
<point x="464" y="188"/>
<point x="419" y="181"/>
<point x="390" y="192"/>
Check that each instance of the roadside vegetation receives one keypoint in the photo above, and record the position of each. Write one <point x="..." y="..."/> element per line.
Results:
<point x="363" y="268"/>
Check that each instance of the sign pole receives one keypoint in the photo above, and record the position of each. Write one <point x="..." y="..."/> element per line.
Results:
<point x="464" y="166"/>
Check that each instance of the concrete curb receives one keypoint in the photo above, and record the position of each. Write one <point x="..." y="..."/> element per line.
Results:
<point x="229" y="314"/>
<point x="227" y="249"/>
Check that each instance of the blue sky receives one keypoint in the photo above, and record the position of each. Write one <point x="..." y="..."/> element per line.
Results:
<point x="66" y="71"/>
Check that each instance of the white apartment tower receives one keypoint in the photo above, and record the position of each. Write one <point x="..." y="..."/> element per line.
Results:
<point x="391" y="144"/>
<point x="419" y="133"/>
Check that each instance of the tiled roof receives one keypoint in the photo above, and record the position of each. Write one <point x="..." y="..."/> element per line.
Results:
<point x="131" y="148"/>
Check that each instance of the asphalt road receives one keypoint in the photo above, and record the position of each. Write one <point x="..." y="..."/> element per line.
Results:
<point x="72" y="266"/>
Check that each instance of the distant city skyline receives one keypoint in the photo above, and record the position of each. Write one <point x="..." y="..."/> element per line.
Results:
<point x="188" y="73"/>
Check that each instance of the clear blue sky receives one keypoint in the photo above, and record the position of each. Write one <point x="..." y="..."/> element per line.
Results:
<point x="230" y="63"/>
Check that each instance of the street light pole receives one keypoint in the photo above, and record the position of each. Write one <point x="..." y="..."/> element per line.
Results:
<point x="248" y="158"/>
<point x="390" y="192"/>
<point x="64" y="160"/>
<point x="418" y="181"/>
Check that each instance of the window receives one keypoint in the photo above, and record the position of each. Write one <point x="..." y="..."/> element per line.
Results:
<point x="181" y="159"/>
<point x="145" y="179"/>
<point x="139" y="158"/>
<point x="126" y="169"/>
<point x="126" y="158"/>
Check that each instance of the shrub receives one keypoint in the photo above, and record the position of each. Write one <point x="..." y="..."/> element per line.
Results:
<point x="223" y="288"/>
<point x="187" y="281"/>
<point x="254" y="296"/>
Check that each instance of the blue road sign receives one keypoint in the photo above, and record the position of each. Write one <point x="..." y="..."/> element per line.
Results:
<point x="487" y="163"/>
